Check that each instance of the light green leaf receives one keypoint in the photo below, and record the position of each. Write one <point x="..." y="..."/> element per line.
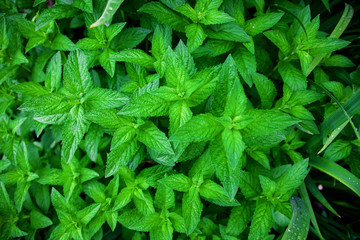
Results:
<point x="195" y="35"/>
<point x="38" y="220"/>
<point x="262" y="220"/>
<point x="239" y="218"/>
<point x="234" y="146"/>
<point x="143" y="202"/>
<point x="53" y="73"/>
<point x="292" y="76"/>
<point x="291" y="179"/>
<point x="179" y="114"/>
<point x="58" y="11"/>
<point x="261" y="23"/>
<point x="178" y="182"/>
<point x="214" y="193"/>
<point x="161" y="41"/>
<point x="165" y="15"/>
<point x="338" y="150"/>
<point x="266" y="89"/>
<point x="202" y="127"/>
<point x="136" y="56"/>
<point x="155" y="139"/>
<point x="113" y="30"/>
<point x="74" y="131"/>
<point x="246" y="63"/>
<point x="100" y="98"/>
<point x="229" y="32"/>
<point x="175" y="72"/>
<point x="89" y="44"/>
<point x="191" y="209"/>
<point x="120" y="155"/>
<point x="77" y="77"/>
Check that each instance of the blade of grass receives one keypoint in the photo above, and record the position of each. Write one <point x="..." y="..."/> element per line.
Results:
<point x="337" y="172"/>
<point x="338" y="118"/>
<point x="333" y="135"/>
<point x="305" y="196"/>
<point x="336" y="33"/>
<point x="318" y="195"/>
<point x="300" y="222"/>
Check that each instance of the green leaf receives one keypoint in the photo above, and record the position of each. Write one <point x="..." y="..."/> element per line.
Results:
<point x="106" y="118"/>
<point x="129" y="38"/>
<point x="100" y="98"/>
<point x="113" y="30"/>
<point x="179" y="114"/>
<point x="236" y="100"/>
<point x="95" y="190"/>
<point x="195" y="35"/>
<point x="266" y="122"/>
<point x="48" y="104"/>
<point x="77" y="78"/>
<point x="123" y="198"/>
<point x="155" y="139"/>
<point x="143" y="201"/>
<point x="89" y="44"/>
<point x="175" y="72"/>
<point x="215" y="17"/>
<point x="234" y="146"/>
<point x="300" y="222"/>
<point x="191" y="209"/>
<point x="120" y="155"/>
<point x="214" y="193"/>
<point x="62" y="43"/>
<point x="178" y="182"/>
<point x="239" y="218"/>
<point x="20" y="193"/>
<point x="266" y="89"/>
<point x="161" y="41"/>
<point x="262" y="220"/>
<point x="202" y="127"/>
<point x="338" y="150"/>
<point x="280" y="40"/>
<point x="106" y="62"/>
<point x="32" y="89"/>
<point x="246" y="64"/>
<point x="229" y="32"/>
<point x="338" y="172"/>
<point x="58" y="11"/>
<point x="164" y="197"/>
<point x="146" y="105"/>
<point x="249" y="185"/>
<point x="136" y="56"/>
<point x="92" y="140"/>
<point x="326" y="45"/>
<point x="261" y="23"/>
<point x="86" y="214"/>
<point x="165" y="15"/>
<point x="292" y="76"/>
<point x="85" y="5"/>
<point x="74" y="131"/>
<point x="38" y="220"/>
<point x="134" y="220"/>
<point x="338" y="61"/>
<point x="291" y="179"/>
<point x="53" y="73"/>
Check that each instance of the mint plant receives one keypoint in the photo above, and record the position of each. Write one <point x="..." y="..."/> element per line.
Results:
<point x="186" y="119"/>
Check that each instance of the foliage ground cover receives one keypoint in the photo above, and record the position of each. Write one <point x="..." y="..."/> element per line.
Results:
<point x="179" y="119"/>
